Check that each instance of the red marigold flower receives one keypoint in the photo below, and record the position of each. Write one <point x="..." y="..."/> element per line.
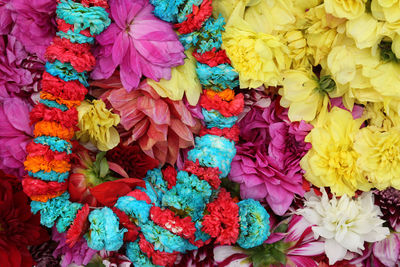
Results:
<point x="167" y="219"/>
<point x="78" y="55"/>
<point x="227" y="109"/>
<point x="18" y="227"/>
<point x="223" y="220"/>
<point x="124" y="219"/>
<point x="78" y="226"/>
<point x="67" y="118"/>
<point x="212" y="58"/>
<point x="72" y="90"/>
<point x="35" y="187"/>
<point x="229" y="133"/>
<point x="196" y="19"/>
<point x="132" y="159"/>
<point x="211" y="175"/>
<point x="169" y="175"/>
<point x="158" y="257"/>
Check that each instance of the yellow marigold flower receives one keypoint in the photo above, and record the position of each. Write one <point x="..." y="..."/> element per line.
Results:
<point x="183" y="80"/>
<point x="379" y="156"/>
<point x="257" y="57"/>
<point x="349" y="9"/>
<point x="96" y="124"/>
<point x="388" y="10"/>
<point x="332" y="160"/>
<point x="302" y="95"/>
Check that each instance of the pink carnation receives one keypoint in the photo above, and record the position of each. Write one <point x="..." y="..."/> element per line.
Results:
<point x="137" y="42"/>
<point x="268" y="155"/>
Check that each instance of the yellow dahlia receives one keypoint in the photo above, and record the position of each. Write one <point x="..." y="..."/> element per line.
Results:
<point x="332" y="160"/>
<point x="379" y="156"/>
<point x="349" y="9"/>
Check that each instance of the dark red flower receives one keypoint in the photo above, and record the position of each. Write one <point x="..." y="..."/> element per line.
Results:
<point x="19" y="228"/>
<point x="169" y="175"/>
<point x="132" y="159"/>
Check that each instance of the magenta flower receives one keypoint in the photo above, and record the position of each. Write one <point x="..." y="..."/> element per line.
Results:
<point x="5" y="17"/>
<point x="79" y="254"/>
<point x="137" y="42"/>
<point x="15" y="135"/>
<point x="34" y="24"/>
<point x="19" y="71"/>
<point x="267" y="161"/>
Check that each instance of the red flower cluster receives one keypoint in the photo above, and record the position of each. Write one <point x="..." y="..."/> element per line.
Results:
<point x="195" y="19"/>
<point x="78" y="55"/>
<point x="72" y="90"/>
<point x="35" y="187"/>
<point x="223" y="220"/>
<point x="78" y="226"/>
<point x="212" y="58"/>
<point x="132" y="159"/>
<point x="41" y="112"/>
<point x="229" y="133"/>
<point x="211" y="175"/>
<point x="18" y="227"/>
<point x="34" y="149"/>
<point x="125" y="221"/>
<point x="169" y="175"/>
<point x="227" y="109"/>
<point x="101" y="3"/>
<point x="167" y="219"/>
<point x="64" y="27"/>
<point x="157" y="257"/>
<point x="139" y="195"/>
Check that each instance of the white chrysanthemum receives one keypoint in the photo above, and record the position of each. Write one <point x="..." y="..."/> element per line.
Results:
<point x="344" y="223"/>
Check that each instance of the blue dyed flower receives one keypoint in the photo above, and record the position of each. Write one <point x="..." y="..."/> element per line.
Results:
<point x="67" y="216"/>
<point x="139" y="209"/>
<point x="66" y="72"/>
<point x="219" y="77"/>
<point x="55" y="143"/>
<point x="75" y="37"/>
<point x="136" y="256"/>
<point x="254" y="224"/>
<point x="167" y="10"/>
<point x="213" y="118"/>
<point x="104" y="232"/>
<point x="51" y="209"/>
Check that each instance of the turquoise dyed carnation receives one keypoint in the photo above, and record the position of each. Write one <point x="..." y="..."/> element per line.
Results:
<point x="152" y="192"/>
<point x="190" y="194"/>
<point x="50" y="176"/>
<point x="75" y="37"/>
<point x="200" y="235"/>
<point x="95" y="18"/>
<point x="104" y="232"/>
<point x="139" y="209"/>
<point x="51" y="209"/>
<point x="155" y="177"/>
<point x="254" y="224"/>
<point x="53" y="104"/>
<point x="218" y="78"/>
<point x="164" y="240"/>
<point x="167" y="10"/>
<point x="66" y="72"/>
<point x="136" y="256"/>
<point x="55" y="143"/>
<point x="213" y="118"/>
<point x="67" y="216"/>
<point x="214" y="151"/>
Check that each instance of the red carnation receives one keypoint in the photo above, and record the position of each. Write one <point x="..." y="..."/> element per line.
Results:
<point x="34" y="149"/>
<point x="223" y="220"/>
<point x="211" y="175"/>
<point x="63" y="26"/>
<point x="36" y="187"/>
<point x="158" y="257"/>
<point x="196" y="19"/>
<point x="229" y="133"/>
<point x="139" y="195"/>
<point x="18" y="227"/>
<point x="227" y="109"/>
<point x="212" y="58"/>
<point x="169" y="175"/>
<point x="78" y="227"/>
<point x="124" y="219"/>
<point x="67" y="118"/>
<point x="72" y="90"/>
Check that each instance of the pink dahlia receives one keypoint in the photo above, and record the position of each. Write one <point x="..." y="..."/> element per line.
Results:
<point x="137" y="42"/>
<point x="5" y="17"/>
<point x="34" y="24"/>
<point x="15" y="135"/>
<point x="159" y="125"/>
<point x="267" y="161"/>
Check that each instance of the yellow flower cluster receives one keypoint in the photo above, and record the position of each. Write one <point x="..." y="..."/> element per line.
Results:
<point x="96" y="124"/>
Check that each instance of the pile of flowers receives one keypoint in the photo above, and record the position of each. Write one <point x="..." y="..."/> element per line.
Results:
<point x="199" y="133"/>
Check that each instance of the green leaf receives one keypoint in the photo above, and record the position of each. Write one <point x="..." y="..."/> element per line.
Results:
<point x="95" y="264"/>
<point x="104" y="168"/>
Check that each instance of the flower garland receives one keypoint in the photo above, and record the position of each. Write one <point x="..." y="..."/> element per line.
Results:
<point x="176" y="211"/>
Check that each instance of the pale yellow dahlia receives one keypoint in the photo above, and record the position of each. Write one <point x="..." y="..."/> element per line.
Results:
<point x="332" y="160"/>
<point x="379" y="156"/>
<point x="388" y="10"/>
<point x="96" y="124"/>
<point x="183" y="80"/>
